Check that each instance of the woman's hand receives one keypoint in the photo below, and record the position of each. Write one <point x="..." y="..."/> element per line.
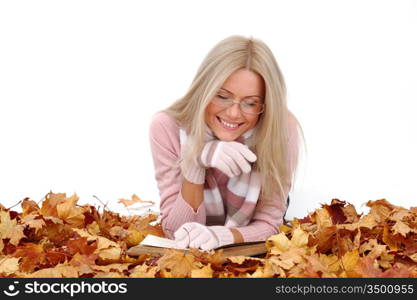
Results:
<point x="232" y="158"/>
<point x="196" y="235"/>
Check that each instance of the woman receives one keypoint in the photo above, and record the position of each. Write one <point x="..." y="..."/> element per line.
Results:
<point x="225" y="154"/>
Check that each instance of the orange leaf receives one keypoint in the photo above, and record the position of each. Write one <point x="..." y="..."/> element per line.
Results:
<point x="135" y="199"/>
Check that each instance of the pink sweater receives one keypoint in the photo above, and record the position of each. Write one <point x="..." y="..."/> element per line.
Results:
<point x="175" y="211"/>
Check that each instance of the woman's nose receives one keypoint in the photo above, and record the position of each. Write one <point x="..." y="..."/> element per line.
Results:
<point x="234" y="110"/>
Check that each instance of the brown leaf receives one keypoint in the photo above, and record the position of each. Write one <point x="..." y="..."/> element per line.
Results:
<point x="32" y="255"/>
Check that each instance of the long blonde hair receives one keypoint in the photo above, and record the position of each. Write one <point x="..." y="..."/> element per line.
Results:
<point x="270" y="144"/>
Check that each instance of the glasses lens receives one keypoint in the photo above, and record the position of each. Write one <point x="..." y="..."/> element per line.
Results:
<point x="248" y="106"/>
<point x="251" y="106"/>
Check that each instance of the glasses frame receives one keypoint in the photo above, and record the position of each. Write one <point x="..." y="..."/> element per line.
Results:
<point x="233" y="101"/>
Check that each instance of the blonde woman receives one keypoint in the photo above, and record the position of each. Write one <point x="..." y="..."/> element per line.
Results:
<point x="225" y="153"/>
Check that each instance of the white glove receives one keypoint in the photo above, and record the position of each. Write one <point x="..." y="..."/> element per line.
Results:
<point x="232" y="158"/>
<point x="196" y="235"/>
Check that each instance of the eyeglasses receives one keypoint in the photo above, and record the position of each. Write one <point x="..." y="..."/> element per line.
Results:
<point x="248" y="106"/>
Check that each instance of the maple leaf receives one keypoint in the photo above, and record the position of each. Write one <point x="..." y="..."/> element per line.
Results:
<point x="367" y="267"/>
<point x="32" y="255"/>
<point x="242" y="264"/>
<point x="289" y="259"/>
<point x="117" y="267"/>
<point x="325" y="238"/>
<point x="204" y="272"/>
<point x="144" y="271"/>
<point x="401" y="228"/>
<point x="350" y="260"/>
<point x="215" y="258"/>
<point x="316" y="268"/>
<point x="398" y="270"/>
<point x="388" y="238"/>
<point x="81" y="246"/>
<point x="56" y="256"/>
<point x="135" y="199"/>
<point x="322" y="218"/>
<point x="83" y="262"/>
<point x="61" y="270"/>
<point x="268" y="270"/>
<point x="331" y="261"/>
<point x="66" y="210"/>
<point x="279" y="243"/>
<point x="336" y="212"/>
<point x="29" y="206"/>
<point x="178" y="263"/>
<point x="62" y="239"/>
<point x="110" y="254"/>
<point x="58" y="233"/>
<point x="380" y="209"/>
<point x="9" y="229"/>
<point x="9" y="265"/>
<point x="50" y="203"/>
<point x="33" y="221"/>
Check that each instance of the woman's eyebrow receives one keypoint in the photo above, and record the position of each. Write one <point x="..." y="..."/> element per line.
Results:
<point x="245" y="97"/>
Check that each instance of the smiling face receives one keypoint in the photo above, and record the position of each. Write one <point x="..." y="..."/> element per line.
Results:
<point x="240" y="85"/>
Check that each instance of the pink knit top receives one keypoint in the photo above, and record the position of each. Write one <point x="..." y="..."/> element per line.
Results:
<point x="165" y="146"/>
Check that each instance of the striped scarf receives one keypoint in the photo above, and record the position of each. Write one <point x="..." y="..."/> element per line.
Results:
<point x="242" y="192"/>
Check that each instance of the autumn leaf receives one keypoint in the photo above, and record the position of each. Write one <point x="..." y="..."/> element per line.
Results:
<point x="144" y="271"/>
<point x="67" y="211"/>
<point x="9" y="229"/>
<point x="29" y="206"/>
<point x="32" y="255"/>
<point x="59" y="238"/>
<point x="178" y="263"/>
<point x="135" y="199"/>
<point x="9" y="265"/>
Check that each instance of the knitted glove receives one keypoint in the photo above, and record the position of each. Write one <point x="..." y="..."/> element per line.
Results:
<point x="232" y="158"/>
<point x="196" y="235"/>
<point x="196" y="173"/>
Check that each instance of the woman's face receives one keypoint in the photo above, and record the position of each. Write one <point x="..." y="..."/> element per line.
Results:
<point x="239" y="85"/>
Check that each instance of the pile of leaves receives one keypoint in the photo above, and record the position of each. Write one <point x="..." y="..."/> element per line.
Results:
<point x="62" y="239"/>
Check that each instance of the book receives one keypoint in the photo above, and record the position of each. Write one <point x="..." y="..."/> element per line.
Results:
<point x="152" y="244"/>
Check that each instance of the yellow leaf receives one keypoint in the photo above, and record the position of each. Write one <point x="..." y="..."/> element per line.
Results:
<point x="9" y="265"/>
<point x="350" y="259"/>
<point x="110" y="254"/>
<point x="10" y="229"/>
<point x="401" y="228"/>
<point x="205" y="272"/>
<point x="143" y="271"/>
<point x="279" y="242"/>
<point x="299" y="238"/>
<point x="134" y="237"/>
<point x="284" y="228"/>
<point x="58" y="271"/>
<point x="178" y="262"/>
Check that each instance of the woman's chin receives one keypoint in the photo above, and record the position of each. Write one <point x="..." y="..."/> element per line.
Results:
<point x="227" y="136"/>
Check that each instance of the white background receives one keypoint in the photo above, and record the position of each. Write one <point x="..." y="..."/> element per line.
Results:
<point x="80" y="81"/>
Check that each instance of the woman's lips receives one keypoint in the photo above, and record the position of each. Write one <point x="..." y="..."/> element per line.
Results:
<point x="226" y="127"/>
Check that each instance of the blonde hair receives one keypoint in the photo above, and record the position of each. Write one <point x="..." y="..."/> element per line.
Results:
<point x="270" y="143"/>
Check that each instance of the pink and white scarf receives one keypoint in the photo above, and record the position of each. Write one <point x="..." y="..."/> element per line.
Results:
<point x="241" y="195"/>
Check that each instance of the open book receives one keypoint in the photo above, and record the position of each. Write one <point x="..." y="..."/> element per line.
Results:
<point x="156" y="245"/>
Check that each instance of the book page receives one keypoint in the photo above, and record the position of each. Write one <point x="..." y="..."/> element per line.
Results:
<point x="156" y="241"/>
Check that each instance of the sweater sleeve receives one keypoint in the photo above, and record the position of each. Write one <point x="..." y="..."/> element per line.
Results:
<point x="270" y="211"/>
<point x="165" y="148"/>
